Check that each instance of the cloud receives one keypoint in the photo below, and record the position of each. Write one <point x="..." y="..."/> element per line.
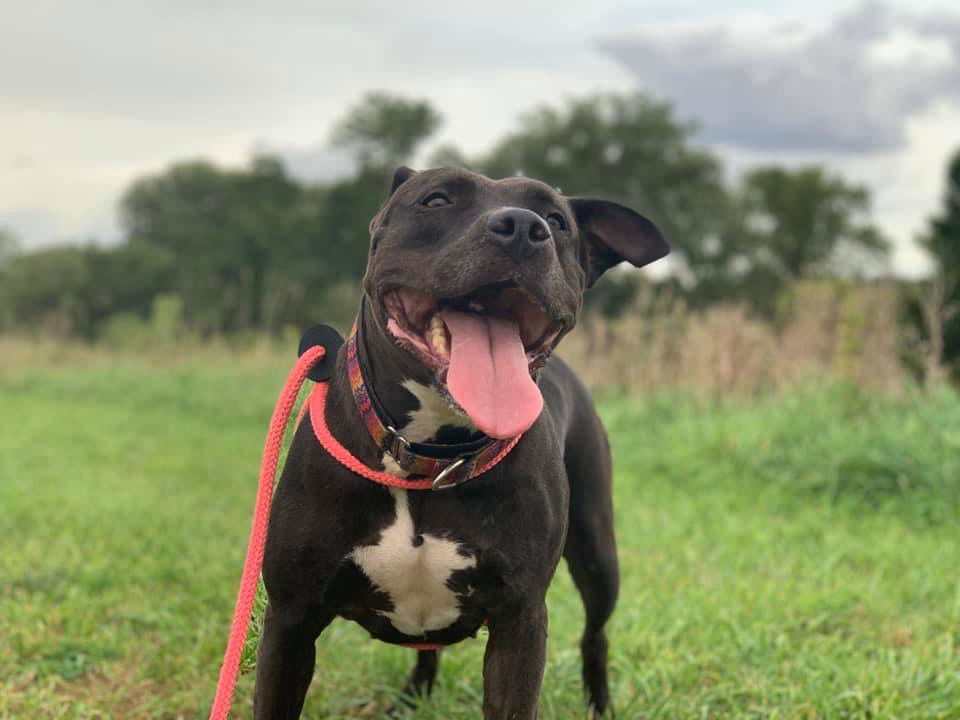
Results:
<point x="849" y="86"/>
<point x="316" y="164"/>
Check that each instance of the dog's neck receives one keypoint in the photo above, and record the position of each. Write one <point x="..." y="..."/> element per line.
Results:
<point x="404" y="387"/>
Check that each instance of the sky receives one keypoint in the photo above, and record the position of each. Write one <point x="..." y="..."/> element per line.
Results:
<point x="96" y="94"/>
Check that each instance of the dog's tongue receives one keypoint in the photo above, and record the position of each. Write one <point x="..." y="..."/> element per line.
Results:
<point x="488" y="375"/>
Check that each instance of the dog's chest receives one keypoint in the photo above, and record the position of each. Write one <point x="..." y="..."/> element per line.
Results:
<point x="414" y="571"/>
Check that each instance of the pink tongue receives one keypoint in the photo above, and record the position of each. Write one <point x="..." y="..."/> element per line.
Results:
<point x="488" y="376"/>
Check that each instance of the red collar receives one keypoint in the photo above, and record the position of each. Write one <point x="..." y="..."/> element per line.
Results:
<point x="427" y="466"/>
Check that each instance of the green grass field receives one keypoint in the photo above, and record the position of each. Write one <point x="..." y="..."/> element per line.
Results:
<point x="789" y="558"/>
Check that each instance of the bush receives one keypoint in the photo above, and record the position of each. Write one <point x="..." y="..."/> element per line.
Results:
<point x="829" y="329"/>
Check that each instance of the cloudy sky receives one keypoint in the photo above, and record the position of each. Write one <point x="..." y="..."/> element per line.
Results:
<point x="95" y="94"/>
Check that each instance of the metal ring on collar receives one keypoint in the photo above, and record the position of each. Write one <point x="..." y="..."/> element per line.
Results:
<point x="441" y="483"/>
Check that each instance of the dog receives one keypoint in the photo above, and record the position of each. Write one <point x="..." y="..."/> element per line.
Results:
<point x="469" y="286"/>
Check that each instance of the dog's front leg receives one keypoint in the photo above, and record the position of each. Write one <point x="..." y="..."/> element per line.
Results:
<point x="285" y="661"/>
<point x="513" y="664"/>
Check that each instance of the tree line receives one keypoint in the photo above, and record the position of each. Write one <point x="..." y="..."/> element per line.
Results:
<point x="255" y="249"/>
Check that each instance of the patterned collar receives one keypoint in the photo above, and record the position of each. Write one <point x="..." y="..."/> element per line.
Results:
<point x="441" y="466"/>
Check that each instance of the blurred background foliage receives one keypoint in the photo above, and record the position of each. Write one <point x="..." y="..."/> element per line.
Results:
<point x="776" y="273"/>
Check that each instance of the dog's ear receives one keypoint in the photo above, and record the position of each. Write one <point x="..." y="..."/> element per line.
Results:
<point x="400" y="176"/>
<point x="611" y="233"/>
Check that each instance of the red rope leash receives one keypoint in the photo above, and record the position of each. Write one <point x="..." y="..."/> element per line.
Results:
<point x="258" y="533"/>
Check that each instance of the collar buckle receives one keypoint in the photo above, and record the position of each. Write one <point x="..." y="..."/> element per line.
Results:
<point x="395" y="444"/>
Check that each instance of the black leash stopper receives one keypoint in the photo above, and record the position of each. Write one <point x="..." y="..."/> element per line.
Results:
<point x="330" y="339"/>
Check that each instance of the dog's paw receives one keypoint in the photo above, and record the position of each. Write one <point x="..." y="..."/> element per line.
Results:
<point x="594" y="714"/>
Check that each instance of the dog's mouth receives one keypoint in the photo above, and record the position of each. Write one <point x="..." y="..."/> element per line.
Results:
<point x="483" y="347"/>
<point x="419" y="322"/>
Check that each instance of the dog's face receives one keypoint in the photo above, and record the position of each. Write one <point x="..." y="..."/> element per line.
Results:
<point x="478" y="279"/>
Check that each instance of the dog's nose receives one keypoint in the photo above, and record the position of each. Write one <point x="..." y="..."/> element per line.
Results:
<point x="518" y="229"/>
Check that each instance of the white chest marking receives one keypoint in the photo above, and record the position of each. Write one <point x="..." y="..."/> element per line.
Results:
<point x="415" y="577"/>
<point x="434" y="412"/>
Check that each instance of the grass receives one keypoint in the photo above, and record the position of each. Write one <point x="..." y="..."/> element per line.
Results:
<point x="789" y="558"/>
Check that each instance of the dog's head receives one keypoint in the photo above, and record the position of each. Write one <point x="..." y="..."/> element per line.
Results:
<point x="478" y="279"/>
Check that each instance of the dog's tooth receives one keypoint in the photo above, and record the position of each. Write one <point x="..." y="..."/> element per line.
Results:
<point x="475" y="306"/>
<point x="438" y="336"/>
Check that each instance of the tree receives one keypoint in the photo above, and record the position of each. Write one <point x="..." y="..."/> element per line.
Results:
<point x="943" y="237"/>
<point x="225" y="229"/>
<point x="384" y="130"/>
<point x="47" y="291"/>
<point x="328" y="250"/>
<point x="795" y="223"/>
<point x="125" y="279"/>
<point x="942" y="240"/>
<point x="72" y="290"/>
<point x="256" y="249"/>
<point x="8" y="249"/>
<point x="803" y="218"/>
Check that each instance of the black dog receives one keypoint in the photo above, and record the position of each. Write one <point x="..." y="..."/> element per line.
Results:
<point x="469" y="286"/>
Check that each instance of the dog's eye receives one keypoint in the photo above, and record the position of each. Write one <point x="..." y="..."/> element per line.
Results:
<point x="556" y="221"/>
<point x="435" y="200"/>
